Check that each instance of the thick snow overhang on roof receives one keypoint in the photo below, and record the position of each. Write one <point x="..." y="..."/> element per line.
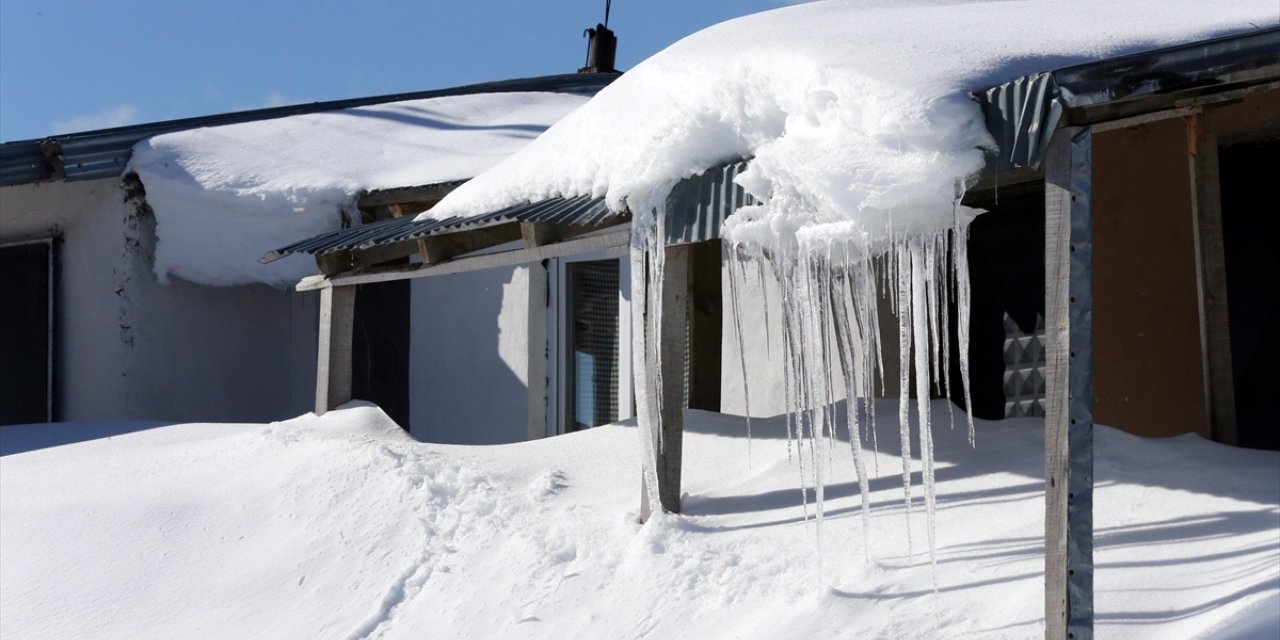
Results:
<point x="699" y="205"/>
<point x="105" y="153"/>
<point x="1023" y="113"/>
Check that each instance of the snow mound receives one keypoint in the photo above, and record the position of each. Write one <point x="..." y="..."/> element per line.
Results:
<point x="224" y="196"/>
<point x="343" y="527"/>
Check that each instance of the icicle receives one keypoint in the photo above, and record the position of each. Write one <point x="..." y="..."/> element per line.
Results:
<point x="904" y="380"/>
<point x="844" y="342"/>
<point x="961" y="265"/>
<point x="645" y="416"/>
<point x="945" y="323"/>
<point x="764" y="298"/>
<point x="920" y="311"/>
<point x="735" y="269"/>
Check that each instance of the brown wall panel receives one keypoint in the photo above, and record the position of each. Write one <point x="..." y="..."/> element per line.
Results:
<point x="1148" y="369"/>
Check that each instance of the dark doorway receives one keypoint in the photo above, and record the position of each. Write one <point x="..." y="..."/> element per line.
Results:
<point x="26" y="336"/>
<point x="1251" y="226"/>
<point x="380" y="348"/>
<point x="1006" y="311"/>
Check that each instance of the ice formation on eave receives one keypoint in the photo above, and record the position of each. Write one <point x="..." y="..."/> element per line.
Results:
<point x="224" y="196"/>
<point x="862" y="138"/>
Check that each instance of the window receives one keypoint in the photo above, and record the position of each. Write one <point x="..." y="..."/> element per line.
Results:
<point x="588" y="343"/>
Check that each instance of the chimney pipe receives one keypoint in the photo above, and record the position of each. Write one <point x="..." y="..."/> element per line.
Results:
<point x="602" y="49"/>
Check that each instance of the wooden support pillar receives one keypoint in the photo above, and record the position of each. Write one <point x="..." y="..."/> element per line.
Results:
<point x="673" y="342"/>
<point x="1211" y="278"/>
<point x="333" y="364"/>
<point x="536" y="368"/>
<point x="1069" y="388"/>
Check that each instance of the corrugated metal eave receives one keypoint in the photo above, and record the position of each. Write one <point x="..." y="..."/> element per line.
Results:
<point x="1023" y="113"/>
<point x="696" y="209"/>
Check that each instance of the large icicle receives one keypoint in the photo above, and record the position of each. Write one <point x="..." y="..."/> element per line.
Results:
<point x="921" y="312"/>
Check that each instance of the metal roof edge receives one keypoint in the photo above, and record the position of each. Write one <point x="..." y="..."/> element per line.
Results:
<point x="1022" y="114"/>
<point x="1243" y="58"/>
<point x="104" y="153"/>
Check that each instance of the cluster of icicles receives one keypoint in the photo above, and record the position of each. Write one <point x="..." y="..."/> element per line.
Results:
<point x="830" y="295"/>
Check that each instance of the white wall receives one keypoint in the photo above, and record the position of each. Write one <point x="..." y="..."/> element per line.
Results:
<point x="130" y="348"/>
<point x="763" y="348"/>
<point x="89" y="347"/>
<point x="465" y="387"/>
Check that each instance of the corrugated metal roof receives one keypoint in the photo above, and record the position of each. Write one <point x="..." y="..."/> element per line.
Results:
<point x="698" y="205"/>
<point x="582" y="210"/>
<point x="1022" y="114"/>
<point x="696" y="209"/>
<point x="104" y="153"/>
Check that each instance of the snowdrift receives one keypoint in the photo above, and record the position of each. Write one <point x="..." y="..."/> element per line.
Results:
<point x="343" y="527"/>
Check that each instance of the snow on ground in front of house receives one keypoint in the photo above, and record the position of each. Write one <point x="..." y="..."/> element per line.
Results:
<point x="344" y="527"/>
<point x="856" y="114"/>
<point x="224" y="196"/>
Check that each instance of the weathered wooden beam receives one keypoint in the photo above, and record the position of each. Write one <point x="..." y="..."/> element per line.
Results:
<point x="536" y="234"/>
<point x="536" y="369"/>
<point x="334" y="262"/>
<point x="613" y="242"/>
<point x="1211" y="279"/>
<point x="446" y="246"/>
<point x="333" y="363"/>
<point x="424" y="194"/>
<point x="373" y="256"/>
<point x="672" y="343"/>
<point x="1069" y="388"/>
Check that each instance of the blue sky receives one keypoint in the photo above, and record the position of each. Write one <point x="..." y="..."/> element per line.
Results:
<point x="73" y="65"/>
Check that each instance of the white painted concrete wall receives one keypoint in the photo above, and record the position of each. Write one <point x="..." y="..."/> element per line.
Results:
<point x="130" y="348"/>
<point x="762" y="340"/>
<point x="469" y="357"/>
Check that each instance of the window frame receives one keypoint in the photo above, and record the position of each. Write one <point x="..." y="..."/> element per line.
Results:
<point x="557" y="337"/>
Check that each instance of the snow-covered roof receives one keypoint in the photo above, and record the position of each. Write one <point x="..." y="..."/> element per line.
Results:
<point x="224" y="196"/>
<point x="857" y="114"/>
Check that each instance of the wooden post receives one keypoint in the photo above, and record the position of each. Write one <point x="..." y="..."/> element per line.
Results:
<point x="536" y="368"/>
<point x="333" y="364"/>
<point x="1069" y="388"/>
<point x="1211" y="278"/>
<point x="673" y="342"/>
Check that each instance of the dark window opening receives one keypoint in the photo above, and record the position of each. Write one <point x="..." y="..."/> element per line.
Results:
<point x="26" y="333"/>
<point x="1250" y="227"/>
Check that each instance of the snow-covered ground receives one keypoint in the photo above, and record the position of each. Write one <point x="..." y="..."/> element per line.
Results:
<point x="344" y="527"/>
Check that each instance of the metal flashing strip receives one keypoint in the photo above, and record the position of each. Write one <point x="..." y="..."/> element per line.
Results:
<point x="1080" y="393"/>
<point x="1022" y="116"/>
<point x="1069" y="610"/>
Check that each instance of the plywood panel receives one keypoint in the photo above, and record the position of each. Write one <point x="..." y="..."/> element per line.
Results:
<point x="1149" y="370"/>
